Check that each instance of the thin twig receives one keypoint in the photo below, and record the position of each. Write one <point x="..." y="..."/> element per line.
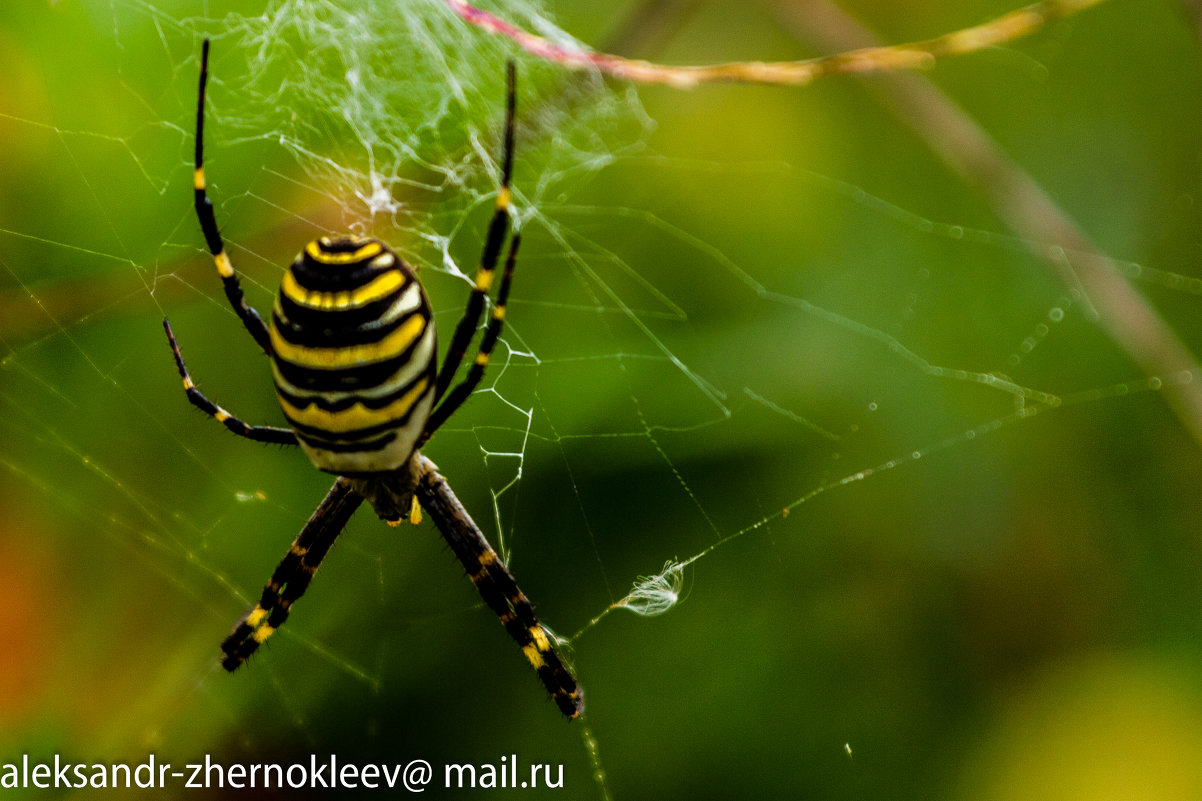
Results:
<point x="914" y="55"/>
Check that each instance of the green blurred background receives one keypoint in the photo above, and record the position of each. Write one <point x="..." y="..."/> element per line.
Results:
<point x="726" y="303"/>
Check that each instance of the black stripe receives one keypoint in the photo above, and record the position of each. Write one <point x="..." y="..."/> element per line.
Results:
<point x="303" y="321"/>
<point x="353" y="434"/>
<point x="303" y="430"/>
<point x="333" y="334"/>
<point x="317" y="276"/>
<point x="348" y="447"/>
<point x="320" y="276"/>
<point x="305" y="401"/>
<point x="343" y="379"/>
<point x="346" y="243"/>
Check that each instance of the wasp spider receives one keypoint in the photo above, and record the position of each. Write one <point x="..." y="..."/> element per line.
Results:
<point x="353" y="354"/>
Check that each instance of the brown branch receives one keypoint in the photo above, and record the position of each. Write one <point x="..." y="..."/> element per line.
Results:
<point x="915" y="55"/>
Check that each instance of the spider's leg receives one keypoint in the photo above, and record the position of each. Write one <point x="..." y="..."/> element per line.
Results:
<point x="292" y="576"/>
<point x="497" y="229"/>
<point x="462" y="390"/>
<point x="208" y="223"/>
<point x="497" y="588"/>
<point x="280" y="436"/>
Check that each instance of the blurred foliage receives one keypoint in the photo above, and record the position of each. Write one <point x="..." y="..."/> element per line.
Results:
<point x="1013" y="615"/>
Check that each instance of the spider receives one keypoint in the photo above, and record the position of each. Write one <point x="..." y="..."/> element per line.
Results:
<point x="353" y="353"/>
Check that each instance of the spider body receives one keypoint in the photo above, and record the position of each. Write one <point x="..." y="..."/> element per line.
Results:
<point x="353" y="355"/>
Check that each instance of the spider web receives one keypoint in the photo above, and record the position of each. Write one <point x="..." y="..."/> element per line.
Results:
<point x="765" y="355"/>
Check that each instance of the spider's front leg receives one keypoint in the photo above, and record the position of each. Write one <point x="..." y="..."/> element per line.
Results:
<point x="208" y="222"/>
<point x="498" y="227"/>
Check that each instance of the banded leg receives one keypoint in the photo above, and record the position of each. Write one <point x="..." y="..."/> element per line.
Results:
<point x="280" y="436"/>
<point x="465" y="388"/>
<point x="497" y="229"/>
<point x="208" y="223"/>
<point x="292" y="576"/>
<point x="497" y="588"/>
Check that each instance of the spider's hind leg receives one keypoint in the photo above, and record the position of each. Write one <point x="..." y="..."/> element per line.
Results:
<point x="292" y="576"/>
<point x="498" y="589"/>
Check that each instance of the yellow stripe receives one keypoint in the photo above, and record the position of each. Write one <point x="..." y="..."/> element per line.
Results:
<point x="262" y="633"/>
<point x="358" y="415"/>
<point x="483" y="279"/>
<point x="373" y="290"/>
<point x="503" y="198"/>
<point x="531" y="652"/>
<point x="540" y="638"/>
<point x="256" y="617"/>
<point x="498" y="313"/>
<point x="317" y="254"/>
<point x="198" y="178"/>
<point x="224" y="268"/>
<point x="323" y="358"/>
<point x="482" y="359"/>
